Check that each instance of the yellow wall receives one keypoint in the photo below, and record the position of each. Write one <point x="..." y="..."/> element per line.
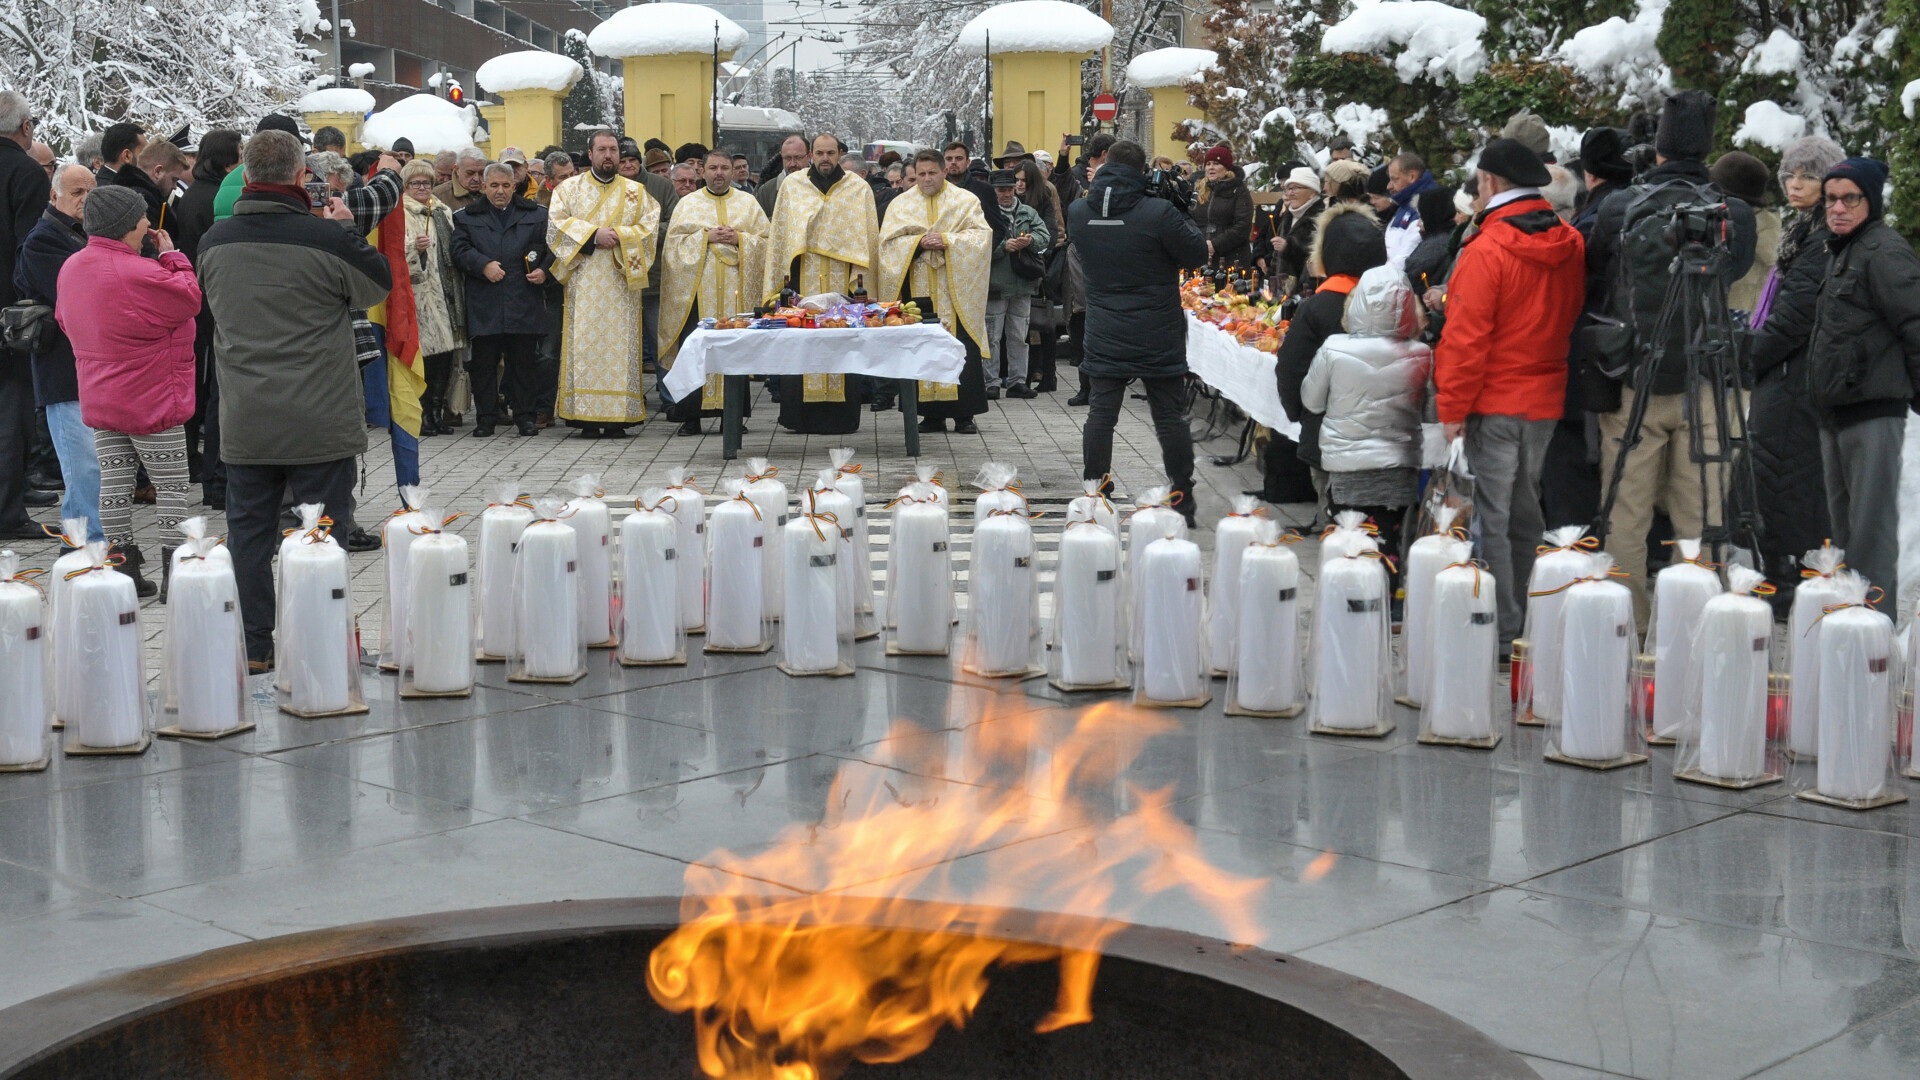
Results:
<point x="528" y="119"/>
<point x="669" y="98"/>
<point x="1036" y="99"/>
<point x="348" y="123"/>
<point x="1170" y="106"/>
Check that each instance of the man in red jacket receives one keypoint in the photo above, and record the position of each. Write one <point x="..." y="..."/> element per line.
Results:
<point x="1501" y="369"/>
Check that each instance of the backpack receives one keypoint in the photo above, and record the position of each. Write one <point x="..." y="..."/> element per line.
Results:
<point x="1644" y="267"/>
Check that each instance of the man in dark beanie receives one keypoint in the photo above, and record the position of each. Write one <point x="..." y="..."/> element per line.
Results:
<point x="1500" y="371"/>
<point x="1631" y="253"/>
<point x="1864" y="370"/>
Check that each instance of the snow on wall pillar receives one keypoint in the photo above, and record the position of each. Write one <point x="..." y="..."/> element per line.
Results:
<point x="348" y="123"/>
<point x="527" y="88"/>
<point x="670" y="98"/>
<point x="1168" y="75"/>
<point x="1170" y="107"/>
<point x="1036" y="98"/>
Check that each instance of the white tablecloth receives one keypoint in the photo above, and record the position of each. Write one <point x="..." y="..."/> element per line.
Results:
<point x="1243" y="374"/>
<point x="922" y="351"/>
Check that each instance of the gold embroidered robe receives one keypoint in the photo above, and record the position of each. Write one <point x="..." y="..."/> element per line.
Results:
<point x="832" y="234"/>
<point x="955" y="277"/>
<point x="704" y="280"/>
<point x="600" y="380"/>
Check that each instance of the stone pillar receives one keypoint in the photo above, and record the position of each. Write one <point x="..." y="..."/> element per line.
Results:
<point x="530" y="119"/>
<point x="1169" y="75"/>
<point x="669" y="97"/>
<point x="1170" y="107"/>
<point x="348" y="123"/>
<point x="1036" y="98"/>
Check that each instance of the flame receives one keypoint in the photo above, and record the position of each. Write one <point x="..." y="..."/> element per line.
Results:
<point x="885" y="944"/>
<point x="1320" y="867"/>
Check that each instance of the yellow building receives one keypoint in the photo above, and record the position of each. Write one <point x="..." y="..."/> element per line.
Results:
<point x="1036" y="48"/>
<point x="1167" y="75"/>
<point x="343" y="107"/>
<point x="667" y="52"/>
<point x="529" y="87"/>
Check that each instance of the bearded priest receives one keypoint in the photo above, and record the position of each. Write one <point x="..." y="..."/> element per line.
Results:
<point x="711" y="264"/>
<point x="937" y="244"/>
<point x="823" y="234"/>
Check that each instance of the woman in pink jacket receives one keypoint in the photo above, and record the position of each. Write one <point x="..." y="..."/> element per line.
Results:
<point x="131" y="323"/>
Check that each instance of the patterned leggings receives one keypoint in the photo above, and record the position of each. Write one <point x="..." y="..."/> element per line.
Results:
<point x="121" y="455"/>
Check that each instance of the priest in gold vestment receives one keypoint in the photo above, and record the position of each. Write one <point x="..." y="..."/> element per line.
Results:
<point x="711" y="264"/>
<point x="602" y="228"/>
<point x="823" y="234"/>
<point x="937" y="244"/>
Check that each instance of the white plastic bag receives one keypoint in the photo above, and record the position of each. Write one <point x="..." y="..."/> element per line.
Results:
<point x="1463" y="632"/>
<point x="439" y="627"/>
<point x="587" y="515"/>
<point x="1087" y="640"/>
<point x="920" y="574"/>
<point x="736" y="616"/>
<point x="1173" y="653"/>
<point x="1265" y="680"/>
<point x="1003" y="595"/>
<point x="1723" y="727"/>
<point x="203" y="675"/>
<point x="848" y="480"/>
<point x="1426" y="557"/>
<point x="1566" y="558"/>
<point x="100" y="631"/>
<point x="1680" y="595"/>
<point x="650" y="618"/>
<point x="501" y="524"/>
<point x="319" y="654"/>
<point x="1231" y="538"/>
<point x="1595" y="725"/>
<point x="690" y="546"/>
<point x="546" y="600"/>
<point x="771" y="496"/>
<point x="1819" y="589"/>
<point x="397" y="534"/>
<point x="24" y="661"/>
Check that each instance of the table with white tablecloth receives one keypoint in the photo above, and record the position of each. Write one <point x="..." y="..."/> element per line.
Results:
<point x="1240" y="373"/>
<point x="909" y="354"/>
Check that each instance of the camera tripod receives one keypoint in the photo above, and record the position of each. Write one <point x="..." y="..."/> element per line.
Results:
<point x="1714" y="389"/>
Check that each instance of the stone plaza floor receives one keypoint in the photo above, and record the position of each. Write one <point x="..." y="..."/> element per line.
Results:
<point x="1600" y="924"/>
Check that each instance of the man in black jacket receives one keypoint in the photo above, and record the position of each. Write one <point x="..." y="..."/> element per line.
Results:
<point x="23" y="197"/>
<point x="191" y="218"/>
<point x="500" y="244"/>
<point x="56" y="387"/>
<point x="1133" y="248"/>
<point x="1864" y="370"/>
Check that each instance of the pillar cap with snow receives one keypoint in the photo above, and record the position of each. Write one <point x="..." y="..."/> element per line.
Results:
<point x="432" y="123"/>
<point x="336" y="99"/>
<point x="665" y="29"/>
<point x="1170" y="67"/>
<point x="529" y="69"/>
<point x="1035" y="26"/>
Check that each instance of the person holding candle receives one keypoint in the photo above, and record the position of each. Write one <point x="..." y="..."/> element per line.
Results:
<point x="500" y="244"/>
<point x="439" y="300"/>
<point x="131" y="323"/>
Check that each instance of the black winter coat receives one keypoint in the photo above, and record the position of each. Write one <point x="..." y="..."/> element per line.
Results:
<point x="24" y="188"/>
<point x="1318" y="318"/>
<point x="192" y="214"/>
<point x="1132" y="249"/>
<point x="36" y="275"/>
<point x="133" y="177"/>
<point x="1783" y="426"/>
<point x="1864" y="349"/>
<point x="1276" y="222"/>
<point x="482" y="235"/>
<point x="1226" y="220"/>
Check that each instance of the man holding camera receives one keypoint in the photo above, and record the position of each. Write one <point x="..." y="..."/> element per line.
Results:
<point x="1133" y="246"/>
<point x="1632" y="248"/>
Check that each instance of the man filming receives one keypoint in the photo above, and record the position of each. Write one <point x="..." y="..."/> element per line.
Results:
<point x="1633" y="251"/>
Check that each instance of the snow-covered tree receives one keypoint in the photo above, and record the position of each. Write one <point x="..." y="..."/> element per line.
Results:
<point x="85" y="64"/>
<point x="585" y="106"/>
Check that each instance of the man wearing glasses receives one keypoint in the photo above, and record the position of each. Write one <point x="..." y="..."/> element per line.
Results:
<point x="24" y="190"/>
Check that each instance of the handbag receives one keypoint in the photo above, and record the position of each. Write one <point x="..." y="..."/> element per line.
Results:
<point x="28" y="327"/>
<point x="1027" y="263"/>
<point x="1054" y="283"/>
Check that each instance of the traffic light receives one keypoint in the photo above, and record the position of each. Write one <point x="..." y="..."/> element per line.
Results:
<point x="455" y="94"/>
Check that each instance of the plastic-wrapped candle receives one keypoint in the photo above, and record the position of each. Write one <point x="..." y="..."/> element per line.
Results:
<point x="999" y="490"/>
<point x="1463" y="629"/>
<point x="689" y="546"/>
<point x="827" y="501"/>
<point x="1426" y="557"/>
<point x="586" y="514"/>
<point x="1598" y="648"/>
<point x="315" y="527"/>
<point x="810" y="588"/>
<point x="770" y="495"/>
<point x="397" y="534"/>
<point x="1086" y="598"/>
<point x="440" y="615"/>
<point x="73" y="533"/>
<point x="919" y="574"/>
<point x="1002" y="593"/>
<point x="1730" y="657"/>
<point x="1568" y="557"/>
<point x="204" y="681"/>
<point x="501" y="524"/>
<point x="649" y="580"/>
<point x="1856" y="695"/>
<point x="317" y="637"/>
<point x="1816" y="592"/>
<point x="1172" y="659"/>
<point x="102" y="628"/>
<point x="1680" y="594"/>
<point x="1230" y="541"/>
<point x="849" y="482"/>
<point x="1092" y="505"/>
<point x="1351" y="683"/>
<point x="23" y="706"/>
<point x="1266" y="676"/>
<point x="927" y="475"/>
<point x="546" y="597"/>
<point x="1153" y="518"/>
<point x="735" y="569"/>
<point x="1348" y="535"/>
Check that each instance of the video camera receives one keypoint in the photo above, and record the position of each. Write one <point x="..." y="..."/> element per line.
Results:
<point x="1709" y="226"/>
<point x="1167" y="184"/>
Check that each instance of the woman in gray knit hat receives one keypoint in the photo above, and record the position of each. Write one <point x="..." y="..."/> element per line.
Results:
<point x="1784" y="429"/>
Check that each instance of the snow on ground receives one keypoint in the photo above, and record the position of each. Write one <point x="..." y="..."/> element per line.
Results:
<point x="340" y="99"/>
<point x="663" y="29"/>
<point x="1435" y="39"/>
<point x="434" y="124"/>
<point x="529" y="70"/>
<point x="1169" y="67"/>
<point x="1619" y="54"/>
<point x="1035" y="26"/>
<point x="1769" y="125"/>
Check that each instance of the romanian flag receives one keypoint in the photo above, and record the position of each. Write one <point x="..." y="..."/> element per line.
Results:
<point x="406" y="373"/>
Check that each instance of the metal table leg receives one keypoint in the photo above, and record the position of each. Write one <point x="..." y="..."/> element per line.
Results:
<point x="910" y="412"/>
<point x="730" y="410"/>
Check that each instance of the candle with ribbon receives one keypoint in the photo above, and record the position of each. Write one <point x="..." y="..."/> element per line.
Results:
<point x="100" y="631"/>
<point x="1154" y="516"/>
<point x="1173" y="654"/>
<point x="319" y="648"/>
<point x="848" y="481"/>
<point x="920" y="573"/>
<point x="1723" y="729"/>
<point x="811" y="630"/>
<point x="203" y="665"/>
<point x="501" y="524"/>
<point x="770" y="495"/>
<point x="23" y="663"/>
<point x="547" y="646"/>
<point x="689" y="546"/>
<point x="439" y="627"/>
<point x="72" y="534"/>
<point x="650" y="618"/>
<point x="1818" y="590"/>
<point x="1426" y="557"/>
<point x="999" y="490"/>
<point x="1087" y="643"/>
<point x="1595" y="722"/>
<point x="1352" y="653"/>
<point x="1231" y="538"/>
<point x="736" y="617"/>
<point x="1463" y="631"/>
<point x="1093" y="505"/>
<point x="1857" y="687"/>
<point x="1003" y="594"/>
<point x="1680" y="594"/>
<point x="1265" y="679"/>
<point x="587" y="515"/>
<point x="397" y="534"/>
<point x="1564" y="558"/>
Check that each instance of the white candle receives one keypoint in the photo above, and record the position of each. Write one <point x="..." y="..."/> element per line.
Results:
<point x="1552" y="572"/>
<point x="1735" y="630"/>
<point x="315" y="586"/>
<point x="1231" y="538"/>
<point x="1092" y="506"/>
<point x="1856" y="703"/>
<point x="735" y="569"/>
<point x="1804" y="627"/>
<point x="1347" y="537"/>
<point x="1149" y="521"/>
<point x="1350" y="677"/>
<point x="205" y="646"/>
<point x="689" y="547"/>
<point x="546" y="603"/>
<point x="1463" y="631"/>
<point x="1002" y="595"/>
<point x="650" y="619"/>
<point x="1680" y="593"/>
<point x="1598" y="643"/>
<point x="102" y="628"/>
<point x="1426" y="557"/>
<point x="995" y="480"/>
<point x="440" y="619"/>
<point x="1171" y="658"/>
<point x="1267" y="668"/>
<point x="850" y="484"/>
<point x="23" y="637"/>
<point x="810" y="591"/>
<point x="827" y="500"/>
<point x="309" y="515"/>
<point x="592" y="526"/>
<point x="920" y="578"/>
<point x="1086" y="594"/>
<point x="501" y="524"/>
<point x="770" y="495"/>
<point x="926" y="474"/>
<point x="74" y="532"/>
<point x="397" y="535"/>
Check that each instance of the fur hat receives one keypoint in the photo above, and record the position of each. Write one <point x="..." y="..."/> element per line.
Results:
<point x="1686" y="127"/>
<point x="1812" y="154"/>
<point x="1346" y="240"/>
<point x="1529" y="131"/>
<point x="1869" y="175"/>
<point x="1742" y="176"/>
<point x="113" y="211"/>
<point x="1603" y="154"/>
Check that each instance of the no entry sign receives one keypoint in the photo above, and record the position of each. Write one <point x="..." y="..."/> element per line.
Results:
<point x="1105" y="108"/>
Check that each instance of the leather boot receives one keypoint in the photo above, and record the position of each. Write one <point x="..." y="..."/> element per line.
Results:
<point x="166" y="570"/>
<point x="130" y="566"/>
